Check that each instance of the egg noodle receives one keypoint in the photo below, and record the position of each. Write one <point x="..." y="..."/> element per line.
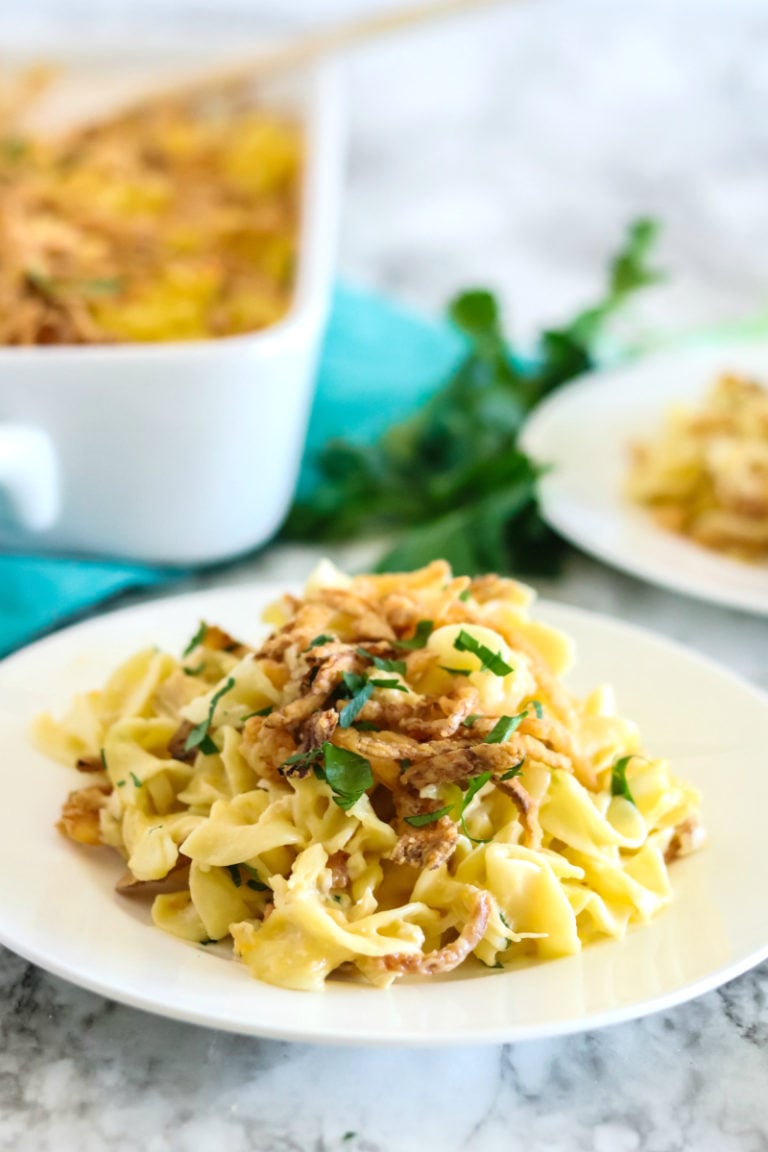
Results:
<point x="706" y="474"/>
<point x="394" y="781"/>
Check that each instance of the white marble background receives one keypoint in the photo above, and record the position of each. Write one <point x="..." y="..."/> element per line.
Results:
<point x="508" y="148"/>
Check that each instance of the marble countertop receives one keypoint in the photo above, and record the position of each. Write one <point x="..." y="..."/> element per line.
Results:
<point x="509" y="149"/>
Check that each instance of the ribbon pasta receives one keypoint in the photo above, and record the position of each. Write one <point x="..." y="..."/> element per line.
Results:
<point x="395" y="781"/>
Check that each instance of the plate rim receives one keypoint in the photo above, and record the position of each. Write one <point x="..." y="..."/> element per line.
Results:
<point x="472" y="1035"/>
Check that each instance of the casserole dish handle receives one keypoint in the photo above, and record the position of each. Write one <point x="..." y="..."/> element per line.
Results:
<point x="29" y="476"/>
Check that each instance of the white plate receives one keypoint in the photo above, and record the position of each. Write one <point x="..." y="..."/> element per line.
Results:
<point x="58" y="909"/>
<point x="584" y="432"/>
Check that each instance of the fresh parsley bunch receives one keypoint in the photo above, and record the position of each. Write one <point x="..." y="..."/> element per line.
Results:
<point x="451" y="479"/>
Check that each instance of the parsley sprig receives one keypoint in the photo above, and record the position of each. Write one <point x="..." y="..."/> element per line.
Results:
<point x="619" y="785"/>
<point x="452" y="480"/>
<point x="491" y="661"/>
<point x="348" y="774"/>
<point x="200" y="736"/>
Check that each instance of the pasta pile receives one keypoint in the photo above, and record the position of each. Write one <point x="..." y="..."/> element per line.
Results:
<point x="706" y="476"/>
<point x="395" y="781"/>
<point x="176" y="224"/>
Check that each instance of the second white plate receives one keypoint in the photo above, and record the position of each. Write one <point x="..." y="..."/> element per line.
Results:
<point x="58" y="907"/>
<point x="583" y="433"/>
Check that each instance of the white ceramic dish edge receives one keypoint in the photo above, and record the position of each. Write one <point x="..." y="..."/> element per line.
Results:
<point x="178" y="453"/>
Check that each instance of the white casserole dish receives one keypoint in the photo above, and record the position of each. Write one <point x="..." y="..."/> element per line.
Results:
<point x="175" y="453"/>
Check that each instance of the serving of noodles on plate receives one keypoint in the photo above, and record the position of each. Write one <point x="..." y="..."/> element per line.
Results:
<point x="705" y="475"/>
<point x="395" y="781"/>
<point x="179" y="223"/>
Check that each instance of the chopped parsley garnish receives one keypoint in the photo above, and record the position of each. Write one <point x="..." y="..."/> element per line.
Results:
<point x="255" y="881"/>
<point x="470" y="720"/>
<point x="360" y="690"/>
<point x="491" y="661"/>
<point x="398" y="666"/>
<point x="619" y="785"/>
<point x="318" y="641"/>
<point x="536" y="705"/>
<point x="200" y="737"/>
<point x="102" y="286"/>
<point x="504" y="727"/>
<point x="405" y="765"/>
<point x="195" y="671"/>
<point x="465" y="595"/>
<point x="504" y="920"/>
<point x="347" y="774"/>
<point x="259" y="712"/>
<point x="122" y="783"/>
<point x="197" y="639"/>
<point x="424" y="630"/>
<point x="457" y="671"/>
<point x="136" y="782"/>
<point x="474" y="784"/>
<point x="515" y="770"/>
<point x="301" y="759"/>
<point x="366" y="726"/>
<point x="103" y="757"/>
<point x="393" y="684"/>
<point x="234" y="871"/>
<point x="427" y="817"/>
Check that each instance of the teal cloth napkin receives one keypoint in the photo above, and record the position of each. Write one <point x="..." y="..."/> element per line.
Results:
<point x="379" y="361"/>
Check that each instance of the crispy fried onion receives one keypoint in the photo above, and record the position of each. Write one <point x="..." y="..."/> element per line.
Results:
<point x="448" y="957"/>
<point x="80" y="814"/>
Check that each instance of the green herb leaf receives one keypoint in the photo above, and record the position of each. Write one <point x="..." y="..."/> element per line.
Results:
<point x="234" y="871"/>
<point x="197" y="639"/>
<point x="348" y="775"/>
<point x="259" y="712"/>
<point x="255" y="881"/>
<point x="122" y="783"/>
<point x="619" y="785"/>
<point x="474" y="784"/>
<point x="451" y="480"/>
<point x="456" y="671"/>
<point x="136" y="782"/>
<point x="394" y="685"/>
<point x="515" y="770"/>
<point x="492" y="661"/>
<point x="424" y="630"/>
<point x="427" y="817"/>
<point x="194" y="671"/>
<point x="103" y="756"/>
<point x="361" y="691"/>
<point x="102" y="286"/>
<point x="504" y="727"/>
<point x="536" y="705"/>
<point x="318" y="641"/>
<point x="366" y="726"/>
<point x="199" y="737"/>
<point x="301" y="759"/>
<point x="504" y="921"/>
<point x="383" y="665"/>
<point x="465" y="595"/>
<point x="470" y="720"/>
